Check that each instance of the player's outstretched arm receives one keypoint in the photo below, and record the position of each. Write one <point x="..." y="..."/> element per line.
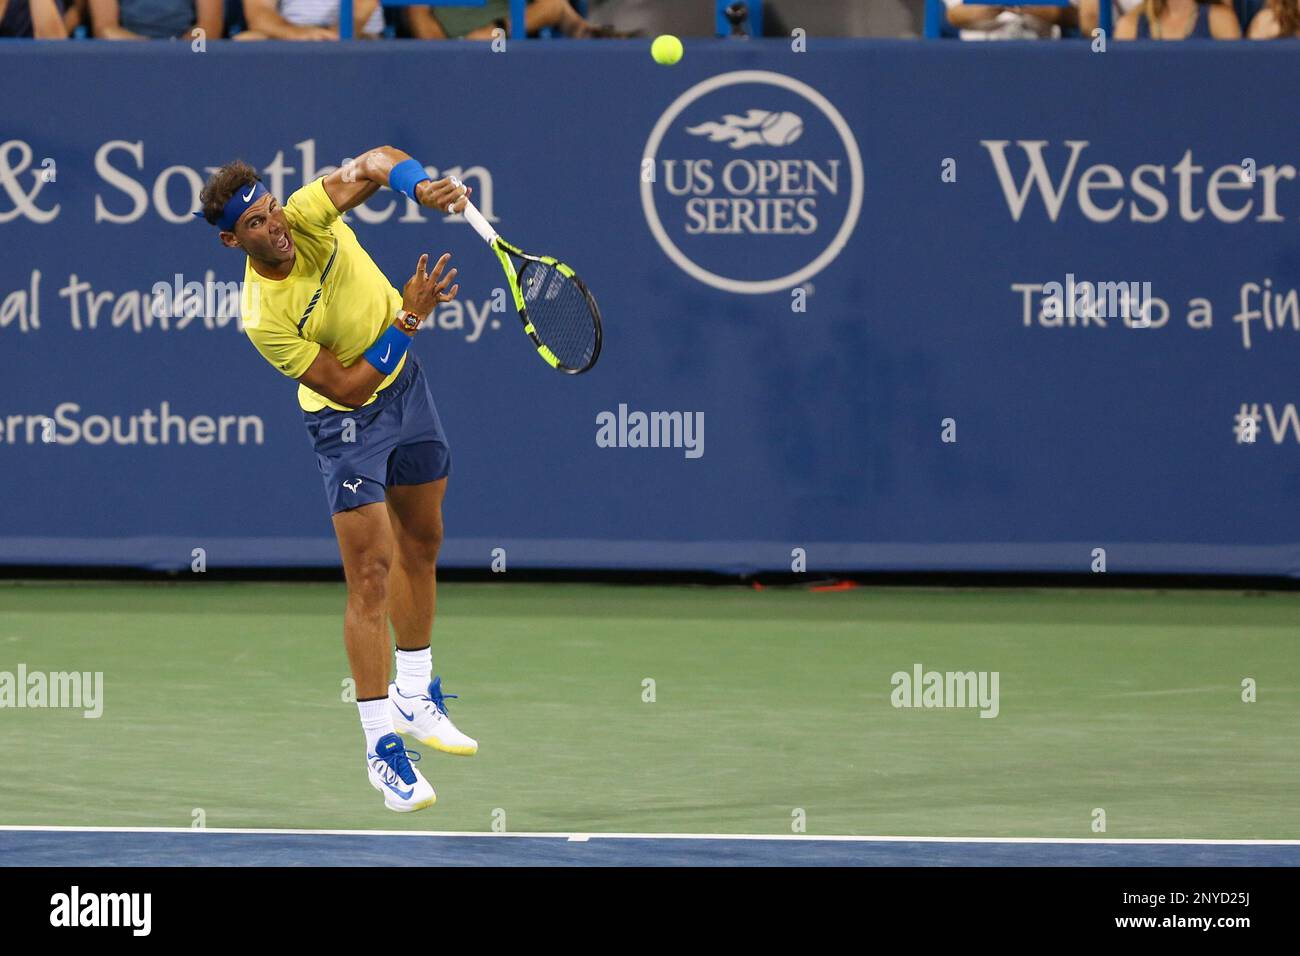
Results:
<point x="353" y="183"/>
<point x="352" y="385"/>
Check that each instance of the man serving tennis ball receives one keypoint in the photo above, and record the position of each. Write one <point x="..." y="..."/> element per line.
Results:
<point x="318" y="308"/>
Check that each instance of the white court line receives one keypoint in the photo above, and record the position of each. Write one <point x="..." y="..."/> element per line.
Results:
<point x="583" y="837"/>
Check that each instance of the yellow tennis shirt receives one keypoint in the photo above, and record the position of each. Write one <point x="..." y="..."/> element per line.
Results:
<point x="336" y="297"/>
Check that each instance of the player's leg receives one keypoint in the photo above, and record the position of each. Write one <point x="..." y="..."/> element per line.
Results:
<point x="415" y="513"/>
<point x="415" y="483"/>
<point x="366" y="544"/>
<point x="365" y="539"/>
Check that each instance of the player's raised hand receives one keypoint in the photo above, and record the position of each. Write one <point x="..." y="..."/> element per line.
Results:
<point x="440" y="284"/>
<point x="424" y="290"/>
<point x="448" y="194"/>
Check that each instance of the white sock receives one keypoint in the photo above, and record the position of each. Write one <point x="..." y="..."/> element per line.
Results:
<point x="376" y="720"/>
<point x="414" y="671"/>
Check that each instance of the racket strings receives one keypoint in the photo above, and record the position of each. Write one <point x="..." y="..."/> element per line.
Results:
<point x="560" y="313"/>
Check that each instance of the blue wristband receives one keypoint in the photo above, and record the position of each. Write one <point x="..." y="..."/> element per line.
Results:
<point x="386" y="354"/>
<point x="406" y="175"/>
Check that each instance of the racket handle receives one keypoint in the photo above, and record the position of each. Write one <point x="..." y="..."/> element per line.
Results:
<point x="481" y="226"/>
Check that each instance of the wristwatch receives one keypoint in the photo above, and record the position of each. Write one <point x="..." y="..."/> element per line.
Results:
<point x="408" y="320"/>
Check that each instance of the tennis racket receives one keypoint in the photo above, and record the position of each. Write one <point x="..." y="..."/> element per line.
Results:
<point x="558" y="312"/>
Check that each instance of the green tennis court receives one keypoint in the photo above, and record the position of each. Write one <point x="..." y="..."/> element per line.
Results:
<point x="228" y="698"/>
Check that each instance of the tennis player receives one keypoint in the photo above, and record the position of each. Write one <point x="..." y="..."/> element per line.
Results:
<point x="318" y="309"/>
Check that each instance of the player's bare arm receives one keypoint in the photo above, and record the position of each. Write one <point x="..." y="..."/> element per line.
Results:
<point x="353" y="183"/>
<point x="353" y="385"/>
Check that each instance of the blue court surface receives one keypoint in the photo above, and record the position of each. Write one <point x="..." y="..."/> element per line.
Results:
<point x="35" y="846"/>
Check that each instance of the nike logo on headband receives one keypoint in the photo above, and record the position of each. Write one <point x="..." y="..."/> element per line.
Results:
<point x="249" y="195"/>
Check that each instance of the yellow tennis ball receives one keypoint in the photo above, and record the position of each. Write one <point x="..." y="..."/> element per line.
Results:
<point x="666" y="49"/>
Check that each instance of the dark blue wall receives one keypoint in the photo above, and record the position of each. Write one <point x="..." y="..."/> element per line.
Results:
<point x="822" y="427"/>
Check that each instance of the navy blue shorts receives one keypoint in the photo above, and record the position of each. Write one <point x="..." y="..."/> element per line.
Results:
<point x="395" y="440"/>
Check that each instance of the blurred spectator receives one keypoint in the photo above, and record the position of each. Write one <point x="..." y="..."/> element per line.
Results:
<point x="1178" y="20"/>
<point x="1090" y="18"/>
<point x="74" y="15"/>
<point x="308" y="20"/>
<point x="477" y="23"/>
<point x="1279" y="20"/>
<point x="32" y="19"/>
<point x="683" y="18"/>
<point x="155" y="19"/>
<point x="818" y="18"/>
<point x="984" y="21"/>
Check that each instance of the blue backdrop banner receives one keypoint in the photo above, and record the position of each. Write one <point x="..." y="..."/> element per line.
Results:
<point x="869" y="306"/>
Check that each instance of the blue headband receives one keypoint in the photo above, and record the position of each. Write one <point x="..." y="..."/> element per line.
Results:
<point x="237" y="204"/>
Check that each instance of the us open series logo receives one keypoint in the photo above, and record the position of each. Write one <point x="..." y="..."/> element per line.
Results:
<point x="757" y="182"/>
